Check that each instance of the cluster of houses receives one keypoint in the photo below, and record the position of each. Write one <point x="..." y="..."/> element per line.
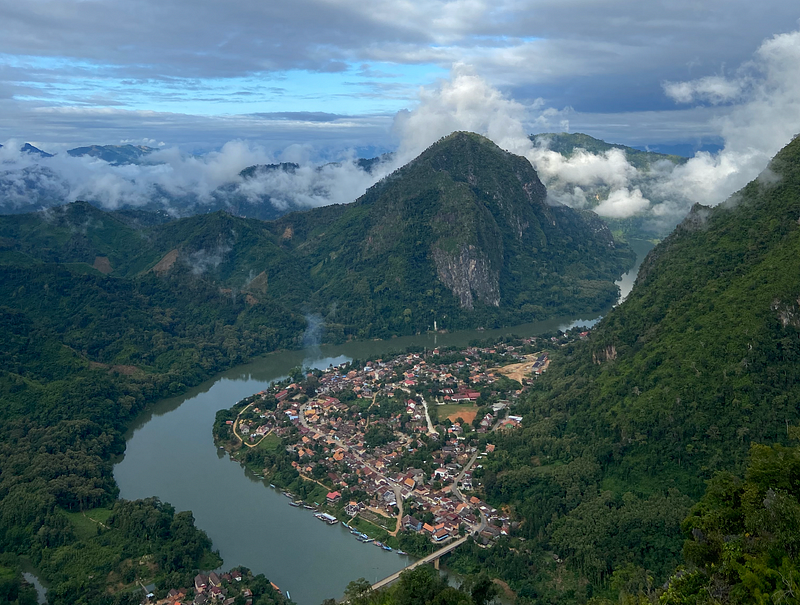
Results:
<point x="213" y="589"/>
<point x="327" y="429"/>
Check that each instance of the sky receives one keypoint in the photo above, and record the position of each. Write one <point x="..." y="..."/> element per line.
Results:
<point x="333" y="73"/>
<point x="314" y="80"/>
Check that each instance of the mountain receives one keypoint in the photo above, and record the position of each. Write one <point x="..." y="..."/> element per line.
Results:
<point x="647" y="174"/>
<point x="566" y="143"/>
<point x="116" y="155"/>
<point x="673" y="386"/>
<point x="30" y="149"/>
<point x="462" y="235"/>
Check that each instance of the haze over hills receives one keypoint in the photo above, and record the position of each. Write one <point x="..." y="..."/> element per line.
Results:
<point x="462" y="234"/>
<point x="580" y="171"/>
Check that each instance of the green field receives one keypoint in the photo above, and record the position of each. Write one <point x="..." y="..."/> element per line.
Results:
<point x="465" y="410"/>
<point x="85" y="523"/>
<point x="270" y="443"/>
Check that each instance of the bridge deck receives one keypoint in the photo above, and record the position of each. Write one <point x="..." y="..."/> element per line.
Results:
<point x="431" y="557"/>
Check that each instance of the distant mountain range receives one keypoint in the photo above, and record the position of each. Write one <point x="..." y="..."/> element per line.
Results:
<point x="42" y="185"/>
<point x="462" y="234"/>
<point x="114" y="154"/>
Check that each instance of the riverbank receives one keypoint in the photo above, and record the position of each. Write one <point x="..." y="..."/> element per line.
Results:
<point x="169" y="454"/>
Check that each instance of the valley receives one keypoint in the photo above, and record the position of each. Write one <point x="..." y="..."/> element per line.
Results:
<point x="623" y="446"/>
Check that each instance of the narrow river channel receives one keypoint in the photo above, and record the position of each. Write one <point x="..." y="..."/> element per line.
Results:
<point x="171" y="454"/>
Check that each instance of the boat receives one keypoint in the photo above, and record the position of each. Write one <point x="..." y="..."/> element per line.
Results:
<point x="355" y="532"/>
<point x="288" y="495"/>
<point x="346" y="525"/>
<point x="288" y="596"/>
<point x="386" y="548"/>
<point x="292" y="503"/>
<point x="329" y="519"/>
<point x="272" y="485"/>
<point x="376" y="543"/>
<point x="401" y="552"/>
<point x="309" y="507"/>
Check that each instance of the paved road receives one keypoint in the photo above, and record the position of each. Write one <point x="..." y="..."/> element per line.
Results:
<point x="432" y="557"/>
<point x="431" y="430"/>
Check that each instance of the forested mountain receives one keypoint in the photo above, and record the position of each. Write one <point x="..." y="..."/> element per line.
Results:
<point x="103" y="313"/>
<point x="566" y="143"/>
<point x="463" y="235"/>
<point x="674" y="385"/>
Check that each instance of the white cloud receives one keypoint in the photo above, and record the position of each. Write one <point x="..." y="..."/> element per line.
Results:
<point x="715" y="89"/>
<point x="622" y="203"/>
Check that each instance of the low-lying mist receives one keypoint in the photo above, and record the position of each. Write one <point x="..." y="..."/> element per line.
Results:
<point x="762" y="114"/>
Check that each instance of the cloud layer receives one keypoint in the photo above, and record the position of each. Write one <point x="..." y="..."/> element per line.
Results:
<point x="759" y="112"/>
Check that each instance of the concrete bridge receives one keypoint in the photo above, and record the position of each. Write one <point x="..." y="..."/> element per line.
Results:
<point x="433" y="557"/>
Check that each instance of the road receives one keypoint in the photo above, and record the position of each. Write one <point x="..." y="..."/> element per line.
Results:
<point x="398" y="495"/>
<point x="431" y="430"/>
<point x="457" y="492"/>
<point x="432" y="557"/>
<point x="236" y="425"/>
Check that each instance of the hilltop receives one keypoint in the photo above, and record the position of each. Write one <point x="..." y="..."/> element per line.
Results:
<point x="462" y="235"/>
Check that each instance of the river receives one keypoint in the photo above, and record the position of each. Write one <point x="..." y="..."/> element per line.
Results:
<point x="171" y="454"/>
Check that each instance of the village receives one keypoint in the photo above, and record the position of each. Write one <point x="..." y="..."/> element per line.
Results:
<point x="237" y="586"/>
<point x="396" y="442"/>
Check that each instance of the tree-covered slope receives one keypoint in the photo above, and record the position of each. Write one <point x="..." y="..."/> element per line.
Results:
<point x="673" y="385"/>
<point x="566" y="143"/>
<point x="463" y="235"/>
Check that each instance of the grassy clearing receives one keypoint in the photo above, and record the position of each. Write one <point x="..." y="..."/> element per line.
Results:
<point x="85" y="524"/>
<point x="270" y="443"/>
<point x="372" y="530"/>
<point x="467" y="411"/>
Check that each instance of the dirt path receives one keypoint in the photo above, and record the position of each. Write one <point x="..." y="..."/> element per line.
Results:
<point x="518" y="371"/>
<point x="100" y="523"/>
<point x="307" y="478"/>
<point x="236" y="425"/>
<point x="506" y="588"/>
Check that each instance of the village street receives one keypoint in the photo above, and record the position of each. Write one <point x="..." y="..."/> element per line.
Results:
<point x="398" y="494"/>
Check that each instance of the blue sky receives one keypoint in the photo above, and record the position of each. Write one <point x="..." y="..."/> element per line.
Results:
<point x="334" y="73"/>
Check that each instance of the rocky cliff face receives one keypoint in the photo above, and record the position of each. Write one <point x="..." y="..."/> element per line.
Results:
<point x="469" y="275"/>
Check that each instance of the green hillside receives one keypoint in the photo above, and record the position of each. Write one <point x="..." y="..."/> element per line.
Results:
<point x="461" y="235"/>
<point x="101" y="314"/>
<point x="566" y="143"/>
<point x="673" y="386"/>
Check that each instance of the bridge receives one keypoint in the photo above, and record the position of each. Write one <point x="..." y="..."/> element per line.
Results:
<point x="433" y="557"/>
